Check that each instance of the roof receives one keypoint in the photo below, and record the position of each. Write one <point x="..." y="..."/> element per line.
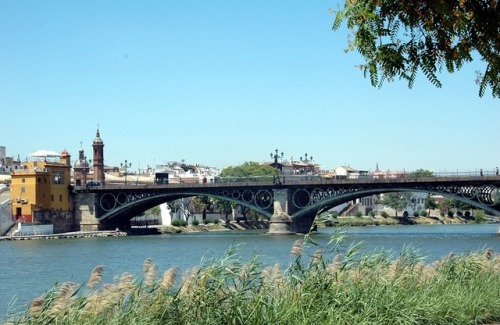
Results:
<point x="45" y="153"/>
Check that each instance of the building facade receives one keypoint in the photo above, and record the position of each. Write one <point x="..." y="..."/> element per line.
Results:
<point x="98" y="146"/>
<point x="40" y="189"/>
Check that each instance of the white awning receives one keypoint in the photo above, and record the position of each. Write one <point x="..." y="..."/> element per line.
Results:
<point x="45" y="153"/>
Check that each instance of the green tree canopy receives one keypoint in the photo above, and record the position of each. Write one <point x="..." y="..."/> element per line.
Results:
<point x="421" y="173"/>
<point x="399" y="38"/>
<point x="396" y="200"/>
<point x="249" y="169"/>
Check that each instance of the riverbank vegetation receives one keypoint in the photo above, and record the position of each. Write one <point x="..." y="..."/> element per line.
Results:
<point x="334" y="284"/>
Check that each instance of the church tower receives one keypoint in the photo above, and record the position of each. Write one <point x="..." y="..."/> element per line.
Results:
<point x="98" y="146"/>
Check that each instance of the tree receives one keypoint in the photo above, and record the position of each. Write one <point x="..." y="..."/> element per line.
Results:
<point x="421" y="173"/>
<point x="430" y="203"/>
<point x="156" y="211"/>
<point x="247" y="169"/>
<point x="202" y="204"/>
<point x="396" y="200"/>
<point x="399" y="38"/>
<point x="225" y="207"/>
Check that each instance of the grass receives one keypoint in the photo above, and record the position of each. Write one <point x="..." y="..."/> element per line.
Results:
<point x="332" y="284"/>
<point x="356" y="221"/>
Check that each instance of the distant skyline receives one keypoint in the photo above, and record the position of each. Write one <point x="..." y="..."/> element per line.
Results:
<point x="220" y="83"/>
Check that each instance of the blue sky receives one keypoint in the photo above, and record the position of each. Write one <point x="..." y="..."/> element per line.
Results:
<point x="219" y="83"/>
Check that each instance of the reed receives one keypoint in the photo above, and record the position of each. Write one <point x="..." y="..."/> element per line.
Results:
<point x="334" y="284"/>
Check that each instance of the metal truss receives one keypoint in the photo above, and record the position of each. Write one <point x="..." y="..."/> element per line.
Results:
<point x="305" y="199"/>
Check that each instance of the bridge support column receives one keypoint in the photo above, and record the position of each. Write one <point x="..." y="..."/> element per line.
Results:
<point x="281" y="223"/>
<point x="85" y="212"/>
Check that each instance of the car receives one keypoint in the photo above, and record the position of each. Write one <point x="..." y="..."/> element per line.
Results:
<point x="93" y="183"/>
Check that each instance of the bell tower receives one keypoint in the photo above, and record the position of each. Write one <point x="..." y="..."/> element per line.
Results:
<point x="98" y="146"/>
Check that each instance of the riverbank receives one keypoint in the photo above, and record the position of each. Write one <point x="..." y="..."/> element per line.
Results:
<point x="76" y="234"/>
<point x="336" y="222"/>
<point x="390" y="221"/>
<point x="249" y="225"/>
<point x="232" y="226"/>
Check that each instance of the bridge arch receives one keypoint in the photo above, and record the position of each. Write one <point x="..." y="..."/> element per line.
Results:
<point x="471" y="197"/>
<point x="124" y="209"/>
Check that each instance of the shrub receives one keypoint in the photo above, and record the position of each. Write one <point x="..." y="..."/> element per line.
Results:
<point x="450" y="213"/>
<point x="384" y="214"/>
<point x="358" y="214"/>
<point x="195" y="222"/>
<point x="415" y="213"/>
<point x="480" y="216"/>
<point x="405" y="214"/>
<point x="216" y="221"/>
<point x="176" y="223"/>
<point x="442" y="214"/>
<point x="335" y="214"/>
<point x="423" y="213"/>
<point x="372" y="214"/>
<point x="206" y="221"/>
<point x="460" y="214"/>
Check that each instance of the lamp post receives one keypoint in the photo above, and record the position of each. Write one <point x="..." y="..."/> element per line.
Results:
<point x="125" y="166"/>
<point x="305" y="160"/>
<point x="276" y="156"/>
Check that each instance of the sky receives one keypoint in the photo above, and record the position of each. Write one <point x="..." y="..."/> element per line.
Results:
<point x="219" y="83"/>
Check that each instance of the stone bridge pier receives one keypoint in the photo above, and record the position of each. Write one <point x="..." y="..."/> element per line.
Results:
<point x="281" y="222"/>
<point x="87" y="213"/>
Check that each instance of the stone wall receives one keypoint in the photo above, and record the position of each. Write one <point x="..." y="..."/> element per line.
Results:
<point x="85" y="218"/>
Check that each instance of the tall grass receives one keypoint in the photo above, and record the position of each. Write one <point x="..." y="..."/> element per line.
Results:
<point x="330" y="284"/>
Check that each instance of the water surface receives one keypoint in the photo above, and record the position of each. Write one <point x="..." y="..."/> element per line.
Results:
<point x="28" y="268"/>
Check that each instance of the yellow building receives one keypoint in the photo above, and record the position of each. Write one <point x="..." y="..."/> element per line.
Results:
<point x="41" y="186"/>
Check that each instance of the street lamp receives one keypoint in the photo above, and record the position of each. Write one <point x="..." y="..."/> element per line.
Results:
<point x="125" y="166"/>
<point x="276" y="156"/>
<point x="306" y="160"/>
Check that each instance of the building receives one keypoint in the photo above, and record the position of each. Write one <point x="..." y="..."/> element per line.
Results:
<point x="40" y="189"/>
<point x="7" y="164"/>
<point x="3" y="156"/>
<point x="81" y="169"/>
<point x="98" y="146"/>
<point x="303" y="167"/>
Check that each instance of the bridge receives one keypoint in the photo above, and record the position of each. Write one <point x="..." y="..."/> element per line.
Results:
<point x="290" y="202"/>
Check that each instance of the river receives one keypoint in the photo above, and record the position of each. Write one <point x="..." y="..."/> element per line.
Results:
<point x="28" y="268"/>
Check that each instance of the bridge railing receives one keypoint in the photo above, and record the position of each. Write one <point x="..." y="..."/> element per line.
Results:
<point x="300" y="179"/>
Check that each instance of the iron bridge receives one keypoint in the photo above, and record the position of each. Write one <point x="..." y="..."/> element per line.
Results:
<point x="305" y="197"/>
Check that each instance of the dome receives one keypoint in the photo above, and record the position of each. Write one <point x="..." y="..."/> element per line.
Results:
<point x="81" y="164"/>
<point x="97" y="137"/>
<point x="82" y="161"/>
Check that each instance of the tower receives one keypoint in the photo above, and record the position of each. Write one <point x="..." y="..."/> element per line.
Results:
<point x="81" y="169"/>
<point x="98" y="146"/>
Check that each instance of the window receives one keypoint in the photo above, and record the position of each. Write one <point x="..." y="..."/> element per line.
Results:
<point x="23" y="180"/>
<point x="60" y="197"/>
<point x="52" y="197"/>
<point x="23" y="189"/>
<point x="58" y="177"/>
